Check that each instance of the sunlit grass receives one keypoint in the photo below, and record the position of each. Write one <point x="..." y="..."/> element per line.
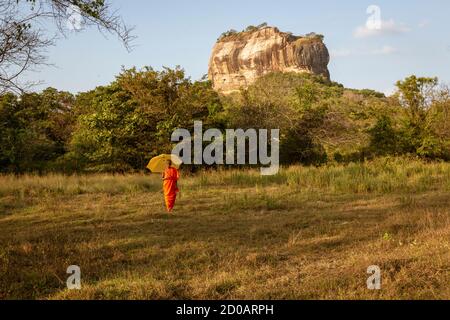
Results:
<point x="305" y="233"/>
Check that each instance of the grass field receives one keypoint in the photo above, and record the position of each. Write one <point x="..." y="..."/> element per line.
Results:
<point x="306" y="233"/>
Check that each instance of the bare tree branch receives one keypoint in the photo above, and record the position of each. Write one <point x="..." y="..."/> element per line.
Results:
<point x="24" y="39"/>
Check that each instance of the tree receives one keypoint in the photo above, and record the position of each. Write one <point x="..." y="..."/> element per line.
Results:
<point x="262" y="25"/>
<point x="383" y="137"/>
<point x="133" y="118"/>
<point x="416" y="96"/>
<point x="294" y="103"/>
<point x="437" y="139"/>
<point x="23" y="40"/>
<point x="34" y="130"/>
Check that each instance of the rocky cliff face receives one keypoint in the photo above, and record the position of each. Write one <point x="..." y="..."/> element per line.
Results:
<point x="238" y="59"/>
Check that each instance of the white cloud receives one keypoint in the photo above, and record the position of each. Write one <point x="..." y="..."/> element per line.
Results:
<point x="342" y="53"/>
<point x="424" y="23"/>
<point x="385" y="50"/>
<point x="386" y="28"/>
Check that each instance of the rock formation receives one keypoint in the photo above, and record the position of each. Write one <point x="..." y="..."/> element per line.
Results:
<point x="238" y="59"/>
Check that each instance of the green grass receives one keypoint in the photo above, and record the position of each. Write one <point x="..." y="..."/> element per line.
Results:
<point x="306" y="233"/>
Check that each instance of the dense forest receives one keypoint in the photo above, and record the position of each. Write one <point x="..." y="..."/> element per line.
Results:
<point x="120" y="126"/>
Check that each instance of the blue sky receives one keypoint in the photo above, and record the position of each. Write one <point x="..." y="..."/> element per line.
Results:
<point x="412" y="38"/>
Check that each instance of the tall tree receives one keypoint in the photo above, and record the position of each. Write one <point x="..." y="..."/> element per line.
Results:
<point x="34" y="130"/>
<point x="132" y="119"/>
<point x="416" y="96"/>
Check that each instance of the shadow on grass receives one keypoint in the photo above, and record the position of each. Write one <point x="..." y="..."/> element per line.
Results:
<point x="174" y="249"/>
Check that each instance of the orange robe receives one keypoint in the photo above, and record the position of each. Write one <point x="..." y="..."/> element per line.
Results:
<point x="170" y="176"/>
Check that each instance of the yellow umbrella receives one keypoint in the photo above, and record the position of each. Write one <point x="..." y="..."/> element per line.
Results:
<point x="158" y="164"/>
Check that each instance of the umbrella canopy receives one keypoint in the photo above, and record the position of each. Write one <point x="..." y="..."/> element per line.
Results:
<point x="158" y="164"/>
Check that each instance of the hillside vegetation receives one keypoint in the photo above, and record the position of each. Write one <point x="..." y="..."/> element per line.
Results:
<point x="119" y="127"/>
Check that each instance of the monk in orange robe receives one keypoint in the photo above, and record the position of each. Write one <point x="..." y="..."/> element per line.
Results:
<point x="170" y="178"/>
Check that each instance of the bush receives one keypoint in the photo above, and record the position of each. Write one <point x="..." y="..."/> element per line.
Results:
<point x="383" y="137"/>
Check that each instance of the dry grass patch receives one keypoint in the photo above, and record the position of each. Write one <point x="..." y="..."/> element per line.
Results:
<point x="307" y="233"/>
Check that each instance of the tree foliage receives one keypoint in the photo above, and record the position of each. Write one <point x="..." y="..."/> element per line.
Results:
<point x="133" y="118"/>
<point x="120" y="126"/>
<point x="34" y="130"/>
